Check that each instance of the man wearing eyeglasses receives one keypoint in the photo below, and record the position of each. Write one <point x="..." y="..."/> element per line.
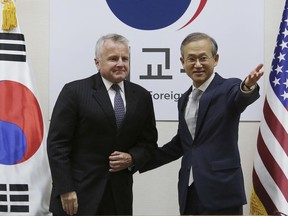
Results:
<point x="210" y="178"/>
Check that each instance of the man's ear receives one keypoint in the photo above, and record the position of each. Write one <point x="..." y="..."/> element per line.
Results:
<point x="216" y="59"/>
<point x="97" y="63"/>
<point x="182" y="60"/>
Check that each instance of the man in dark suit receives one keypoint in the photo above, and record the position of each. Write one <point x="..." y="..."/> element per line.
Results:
<point x="210" y="178"/>
<point x="91" y="158"/>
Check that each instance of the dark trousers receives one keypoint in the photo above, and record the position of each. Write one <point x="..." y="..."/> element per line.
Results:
<point x="195" y="207"/>
<point x="107" y="205"/>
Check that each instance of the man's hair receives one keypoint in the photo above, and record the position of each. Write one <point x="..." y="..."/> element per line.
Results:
<point x="196" y="37"/>
<point x="114" y="37"/>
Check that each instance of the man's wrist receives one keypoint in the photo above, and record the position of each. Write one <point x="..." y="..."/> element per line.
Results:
<point x="130" y="168"/>
<point x="132" y="163"/>
<point x="248" y="88"/>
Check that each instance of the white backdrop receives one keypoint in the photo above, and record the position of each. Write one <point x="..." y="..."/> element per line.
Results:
<point x="237" y="26"/>
<point x="155" y="192"/>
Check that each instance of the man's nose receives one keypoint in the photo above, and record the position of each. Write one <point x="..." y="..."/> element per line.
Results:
<point x="120" y="62"/>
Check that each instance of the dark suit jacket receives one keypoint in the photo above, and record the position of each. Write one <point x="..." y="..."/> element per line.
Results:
<point x="213" y="153"/>
<point x="82" y="135"/>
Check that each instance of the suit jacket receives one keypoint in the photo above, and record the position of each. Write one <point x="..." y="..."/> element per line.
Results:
<point x="82" y="135"/>
<point x="213" y="153"/>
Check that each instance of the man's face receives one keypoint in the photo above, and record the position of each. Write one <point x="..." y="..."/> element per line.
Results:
<point x="113" y="63"/>
<point x="198" y="61"/>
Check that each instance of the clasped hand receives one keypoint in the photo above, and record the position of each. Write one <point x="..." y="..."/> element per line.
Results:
<point x="119" y="161"/>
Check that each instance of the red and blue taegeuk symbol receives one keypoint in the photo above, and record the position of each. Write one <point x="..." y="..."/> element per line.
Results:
<point x="21" y="123"/>
<point x="152" y="14"/>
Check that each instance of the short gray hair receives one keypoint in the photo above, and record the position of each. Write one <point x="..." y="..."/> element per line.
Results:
<point x="114" y="37"/>
<point x="196" y="37"/>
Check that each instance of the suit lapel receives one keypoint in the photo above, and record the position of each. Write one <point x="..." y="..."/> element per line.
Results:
<point x="182" y="107"/>
<point x="203" y="105"/>
<point x="205" y="101"/>
<point x="101" y="95"/>
<point x="131" y="101"/>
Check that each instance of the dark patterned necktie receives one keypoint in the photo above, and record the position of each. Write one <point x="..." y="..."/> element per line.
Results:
<point x="119" y="108"/>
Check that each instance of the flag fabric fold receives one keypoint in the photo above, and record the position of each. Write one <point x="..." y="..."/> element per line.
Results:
<point x="25" y="182"/>
<point x="270" y="171"/>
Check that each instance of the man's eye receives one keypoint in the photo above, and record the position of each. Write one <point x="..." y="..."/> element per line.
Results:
<point x="192" y="60"/>
<point x="113" y="59"/>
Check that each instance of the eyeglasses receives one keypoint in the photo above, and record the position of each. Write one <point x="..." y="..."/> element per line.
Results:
<point x="202" y="60"/>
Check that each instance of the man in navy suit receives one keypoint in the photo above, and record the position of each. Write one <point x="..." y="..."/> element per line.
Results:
<point x="210" y="178"/>
<point x="91" y="157"/>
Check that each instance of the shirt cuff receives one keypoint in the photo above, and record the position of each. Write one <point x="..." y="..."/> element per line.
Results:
<point x="247" y="89"/>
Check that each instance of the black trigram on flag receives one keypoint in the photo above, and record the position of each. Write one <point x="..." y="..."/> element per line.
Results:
<point x="14" y="198"/>
<point x="12" y="47"/>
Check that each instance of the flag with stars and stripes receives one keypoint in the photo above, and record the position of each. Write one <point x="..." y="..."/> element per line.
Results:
<point x="270" y="172"/>
<point x="25" y="182"/>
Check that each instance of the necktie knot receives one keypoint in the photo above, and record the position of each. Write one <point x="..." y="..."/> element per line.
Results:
<point x="196" y="93"/>
<point x="115" y="87"/>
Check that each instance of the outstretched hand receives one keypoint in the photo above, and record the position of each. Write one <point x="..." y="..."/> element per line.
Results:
<point x="254" y="76"/>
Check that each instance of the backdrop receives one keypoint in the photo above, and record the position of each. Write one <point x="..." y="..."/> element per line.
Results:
<point x="155" y="30"/>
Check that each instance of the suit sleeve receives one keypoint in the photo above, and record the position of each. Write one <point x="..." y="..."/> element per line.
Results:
<point x="242" y="100"/>
<point x="169" y="152"/>
<point x="59" y="141"/>
<point x="147" y="140"/>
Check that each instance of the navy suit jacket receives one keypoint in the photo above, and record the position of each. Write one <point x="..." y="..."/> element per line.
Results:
<point x="213" y="153"/>
<point x="82" y="135"/>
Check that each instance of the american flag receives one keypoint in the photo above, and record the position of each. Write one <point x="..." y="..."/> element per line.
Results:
<point x="270" y="171"/>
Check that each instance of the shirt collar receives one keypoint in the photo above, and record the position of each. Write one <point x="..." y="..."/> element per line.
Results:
<point x="205" y="85"/>
<point x="108" y="84"/>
